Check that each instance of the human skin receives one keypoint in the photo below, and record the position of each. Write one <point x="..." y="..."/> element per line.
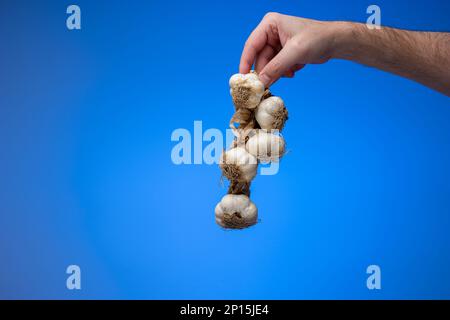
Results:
<point x="281" y="45"/>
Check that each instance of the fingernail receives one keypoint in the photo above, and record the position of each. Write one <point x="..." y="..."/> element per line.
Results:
<point x="264" y="79"/>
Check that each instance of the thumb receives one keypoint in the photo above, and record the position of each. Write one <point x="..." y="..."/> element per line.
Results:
<point x="281" y="64"/>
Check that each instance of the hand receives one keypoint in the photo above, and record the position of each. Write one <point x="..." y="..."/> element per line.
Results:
<point x="281" y="45"/>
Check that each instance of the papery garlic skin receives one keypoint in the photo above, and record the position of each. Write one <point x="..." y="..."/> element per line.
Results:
<point x="238" y="164"/>
<point x="271" y="113"/>
<point x="246" y="90"/>
<point x="266" y="146"/>
<point x="236" y="211"/>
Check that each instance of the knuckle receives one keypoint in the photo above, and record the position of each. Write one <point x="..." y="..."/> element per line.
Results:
<point x="301" y="47"/>
<point x="297" y="43"/>
<point x="271" y="15"/>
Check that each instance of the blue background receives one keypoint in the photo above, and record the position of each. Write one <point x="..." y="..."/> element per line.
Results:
<point x="86" y="175"/>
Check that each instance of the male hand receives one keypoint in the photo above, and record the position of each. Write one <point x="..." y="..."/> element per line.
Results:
<point x="281" y="45"/>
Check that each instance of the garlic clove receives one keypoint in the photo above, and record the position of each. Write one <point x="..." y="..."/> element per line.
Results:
<point x="271" y="113"/>
<point x="238" y="165"/>
<point x="246" y="90"/>
<point x="266" y="146"/>
<point x="236" y="211"/>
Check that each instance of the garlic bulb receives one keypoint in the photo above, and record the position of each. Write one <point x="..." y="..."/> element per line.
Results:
<point x="238" y="165"/>
<point x="266" y="146"/>
<point x="236" y="211"/>
<point x="246" y="90"/>
<point x="271" y="113"/>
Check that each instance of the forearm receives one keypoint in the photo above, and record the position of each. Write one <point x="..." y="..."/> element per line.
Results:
<point x="420" y="56"/>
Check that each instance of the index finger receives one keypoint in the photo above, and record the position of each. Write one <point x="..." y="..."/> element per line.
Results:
<point x="254" y="44"/>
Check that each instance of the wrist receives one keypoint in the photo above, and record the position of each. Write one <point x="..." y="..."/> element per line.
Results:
<point x="347" y="39"/>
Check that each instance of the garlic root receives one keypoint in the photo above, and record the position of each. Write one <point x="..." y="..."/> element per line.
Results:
<point x="239" y="187"/>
